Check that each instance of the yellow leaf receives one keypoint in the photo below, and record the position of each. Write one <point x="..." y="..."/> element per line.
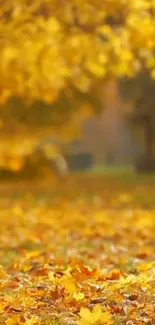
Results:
<point x="96" y="317"/>
<point x="13" y="320"/>
<point x="96" y="68"/>
<point x="32" y="254"/>
<point x="5" y="94"/>
<point x="69" y="286"/>
<point x="153" y="73"/>
<point x="32" y="321"/>
<point x="78" y="296"/>
<point x="151" y="62"/>
<point x="10" y="53"/>
<point x="68" y="271"/>
<point x="1" y="308"/>
<point x="53" y="25"/>
<point x="85" y="315"/>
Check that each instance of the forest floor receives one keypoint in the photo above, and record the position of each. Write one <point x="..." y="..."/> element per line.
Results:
<point x="80" y="251"/>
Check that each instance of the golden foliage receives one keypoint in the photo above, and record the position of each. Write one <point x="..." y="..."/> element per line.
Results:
<point x="97" y="316"/>
<point x="46" y="47"/>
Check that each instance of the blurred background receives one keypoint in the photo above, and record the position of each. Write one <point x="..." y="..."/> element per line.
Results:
<point x="120" y="136"/>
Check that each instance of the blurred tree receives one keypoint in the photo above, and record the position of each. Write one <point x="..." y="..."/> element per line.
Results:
<point x="25" y="128"/>
<point x="53" y="57"/>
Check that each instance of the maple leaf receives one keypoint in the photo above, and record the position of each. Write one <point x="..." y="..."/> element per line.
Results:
<point x="32" y="321"/>
<point x="94" y="317"/>
<point x="69" y="285"/>
<point x="15" y="320"/>
<point x="78" y="296"/>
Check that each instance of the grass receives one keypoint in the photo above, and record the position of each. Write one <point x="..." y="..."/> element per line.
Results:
<point x="113" y="181"/>
<point x="124" y="179"/>
<point x="126" y="172"/>
<point x="113" y="170"/>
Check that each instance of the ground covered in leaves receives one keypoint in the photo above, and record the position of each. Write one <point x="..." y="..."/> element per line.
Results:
<point x="77" y="253"/>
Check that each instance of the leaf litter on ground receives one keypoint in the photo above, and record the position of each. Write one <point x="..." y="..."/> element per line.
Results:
<point x="70" y="259"/>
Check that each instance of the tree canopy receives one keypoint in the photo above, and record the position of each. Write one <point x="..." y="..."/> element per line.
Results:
<point x="49" y="47"/>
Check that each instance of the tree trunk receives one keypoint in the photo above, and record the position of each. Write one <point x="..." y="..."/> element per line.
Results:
<point x="149" y="136"/>
<point x="146" y="163"/>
